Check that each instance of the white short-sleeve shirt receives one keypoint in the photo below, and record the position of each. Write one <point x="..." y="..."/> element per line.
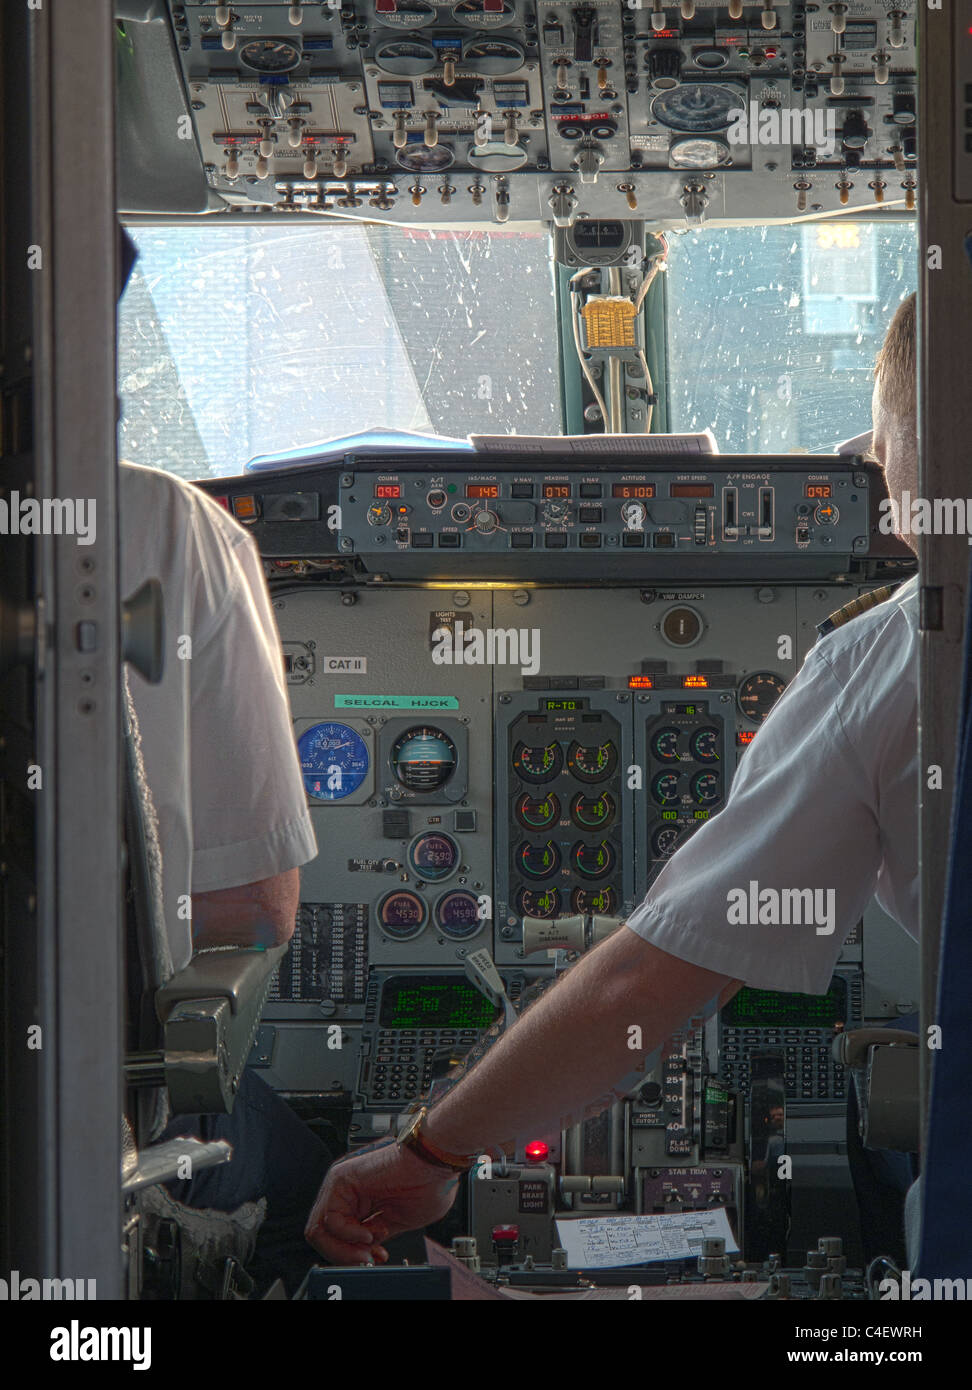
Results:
<point x="825" y="797"/>
<point x="216" y="733"/>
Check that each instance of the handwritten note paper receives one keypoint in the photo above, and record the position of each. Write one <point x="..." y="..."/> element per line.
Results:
<point x="610" y="1242"/>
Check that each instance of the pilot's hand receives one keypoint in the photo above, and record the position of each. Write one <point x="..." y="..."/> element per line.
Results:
<point x="370" y="1197"/>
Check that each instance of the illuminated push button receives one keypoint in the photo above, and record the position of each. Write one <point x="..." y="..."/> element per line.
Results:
<point x="245" y="508"/>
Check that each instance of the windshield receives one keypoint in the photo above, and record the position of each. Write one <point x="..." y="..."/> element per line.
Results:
<point x="773" y="331"/>
<point x="239" y="341"/>
<point x="236" y="342"/>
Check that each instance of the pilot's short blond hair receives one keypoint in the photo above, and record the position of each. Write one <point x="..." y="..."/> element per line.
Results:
<point x="896" y="369"/>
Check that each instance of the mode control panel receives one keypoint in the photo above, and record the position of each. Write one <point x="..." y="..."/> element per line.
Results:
<point x="673" y="512"/>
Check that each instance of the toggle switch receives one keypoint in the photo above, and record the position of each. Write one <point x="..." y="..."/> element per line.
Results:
<point x="430" y="135"/>
<point x="838" y="18"/>
<point x="510" y="135"/>
<point x="836" y="77"/>
<point x="340" y="165"/>
<point x="628" y="189"/>
<point x="399" y="133"/>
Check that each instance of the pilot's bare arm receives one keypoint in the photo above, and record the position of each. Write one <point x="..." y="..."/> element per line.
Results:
<point x="254" y="914"/>
<point x="563" y="1057"/>
<point x="575" y="1045"/>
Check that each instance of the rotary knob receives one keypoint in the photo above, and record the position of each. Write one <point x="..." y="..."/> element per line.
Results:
<point x="633" y="515"/>
<point x="485" y="521"/>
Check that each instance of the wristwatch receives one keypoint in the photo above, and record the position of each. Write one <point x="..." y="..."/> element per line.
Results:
<point x="412" y="1138"/>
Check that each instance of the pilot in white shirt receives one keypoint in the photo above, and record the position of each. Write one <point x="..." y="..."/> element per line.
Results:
<point x="233" y="826"/>
<point x="826" y="797"/>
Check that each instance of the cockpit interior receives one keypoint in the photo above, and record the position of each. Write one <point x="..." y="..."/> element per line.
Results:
<point x="483" y="499"/>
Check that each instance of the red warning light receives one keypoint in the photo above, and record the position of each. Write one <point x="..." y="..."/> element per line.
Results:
<point x="536" y="1151"/>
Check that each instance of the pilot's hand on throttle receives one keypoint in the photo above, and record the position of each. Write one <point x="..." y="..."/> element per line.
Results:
<point x="364" y="1200"/>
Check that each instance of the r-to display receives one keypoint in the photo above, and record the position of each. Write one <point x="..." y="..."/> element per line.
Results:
<point x="818" y="490"/>
<point x="766" y="1008"/>
<point x="482" y="489"/>
<point x="431" y="1001"/>
<point x="564" y="704"/>
<point x="632" y="489"/>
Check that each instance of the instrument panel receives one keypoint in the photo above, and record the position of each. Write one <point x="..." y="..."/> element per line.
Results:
<point x="499" y="760"/>
<point x="542" y="110"/>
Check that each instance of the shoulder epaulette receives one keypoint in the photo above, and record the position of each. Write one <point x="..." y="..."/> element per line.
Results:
<point x="855" y="608"/>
